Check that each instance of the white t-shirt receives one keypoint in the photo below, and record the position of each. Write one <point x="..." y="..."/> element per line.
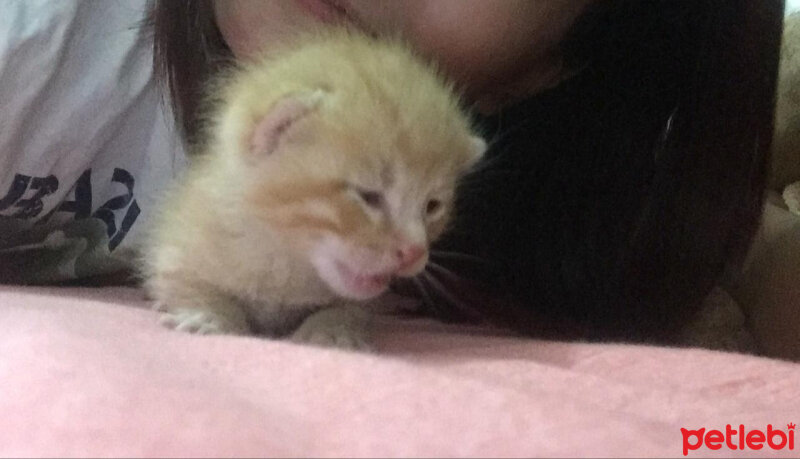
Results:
<point x="85" y="142"/>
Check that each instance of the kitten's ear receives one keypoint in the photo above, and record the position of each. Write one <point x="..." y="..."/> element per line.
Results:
<point x="477" y="147"/>
<point x="269" y="130"/>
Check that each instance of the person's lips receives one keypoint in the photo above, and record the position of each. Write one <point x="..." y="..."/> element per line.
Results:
<point x="334" y="12"/>
<point x="327" y="11"/>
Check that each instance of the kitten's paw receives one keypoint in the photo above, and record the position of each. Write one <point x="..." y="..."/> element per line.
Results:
<point x="196" y="321"/>
<point x="334" y="328"/>
<point x="339" y="337"/>
<point x="331" y="337"/>
<point x="394" y="304"/>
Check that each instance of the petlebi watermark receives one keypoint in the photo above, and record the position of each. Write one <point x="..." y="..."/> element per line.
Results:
<point x="740" y="438"/>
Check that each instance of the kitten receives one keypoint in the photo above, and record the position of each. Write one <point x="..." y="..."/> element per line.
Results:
<point x="328" y="170"/>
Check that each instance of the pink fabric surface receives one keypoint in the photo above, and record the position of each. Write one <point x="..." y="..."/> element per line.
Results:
<point x="90" y="373"/>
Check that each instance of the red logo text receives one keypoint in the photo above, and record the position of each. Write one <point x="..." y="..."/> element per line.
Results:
<point x="739" y="439"/>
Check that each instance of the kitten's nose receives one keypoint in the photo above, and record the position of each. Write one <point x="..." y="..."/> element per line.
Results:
<point x="409" y="255"/>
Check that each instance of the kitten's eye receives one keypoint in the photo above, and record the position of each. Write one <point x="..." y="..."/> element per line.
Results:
<point x="432" y="206"/>
<point x="371" y="198"/>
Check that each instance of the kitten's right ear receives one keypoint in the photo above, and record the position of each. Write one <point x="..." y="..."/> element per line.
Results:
<point x="270" y="129"/>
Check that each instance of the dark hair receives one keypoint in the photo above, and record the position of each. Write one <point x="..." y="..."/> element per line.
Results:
<point x="188" y="49"/>
<point x="610" y="205"/>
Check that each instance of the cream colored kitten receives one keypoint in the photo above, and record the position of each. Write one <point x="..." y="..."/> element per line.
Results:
<point x="329" y="170"/>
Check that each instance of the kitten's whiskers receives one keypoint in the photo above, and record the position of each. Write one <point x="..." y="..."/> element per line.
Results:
<point x="461" y="306"/>
<point x="425" y="295"/>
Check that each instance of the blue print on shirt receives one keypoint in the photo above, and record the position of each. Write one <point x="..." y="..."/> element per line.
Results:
<point x="30" y="207"/>
<point x="24" y="200"/>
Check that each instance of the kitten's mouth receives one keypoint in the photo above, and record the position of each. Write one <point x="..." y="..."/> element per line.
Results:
<point x="363" y="285"/>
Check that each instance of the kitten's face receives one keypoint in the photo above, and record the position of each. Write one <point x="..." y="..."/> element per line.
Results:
<point x="383" y="220"/>
<point x="362" y="201"/>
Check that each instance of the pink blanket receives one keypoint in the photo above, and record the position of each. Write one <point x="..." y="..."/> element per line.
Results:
<point x="90" y="373"/>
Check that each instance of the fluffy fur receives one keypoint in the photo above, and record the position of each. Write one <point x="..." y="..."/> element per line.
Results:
<point x="328" y="170"/>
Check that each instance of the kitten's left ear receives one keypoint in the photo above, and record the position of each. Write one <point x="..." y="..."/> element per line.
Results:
<point x="269" y="130"/>
<point x="477" y="148"/>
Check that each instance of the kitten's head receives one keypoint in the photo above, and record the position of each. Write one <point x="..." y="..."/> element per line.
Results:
<point x="359" y="180"/>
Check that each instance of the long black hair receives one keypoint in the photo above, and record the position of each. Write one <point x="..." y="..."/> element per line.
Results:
<point x="610" y="205"/>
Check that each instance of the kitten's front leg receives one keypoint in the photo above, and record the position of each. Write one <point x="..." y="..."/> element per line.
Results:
<point x="342" y="326"/>
<point x="200" y="309"/>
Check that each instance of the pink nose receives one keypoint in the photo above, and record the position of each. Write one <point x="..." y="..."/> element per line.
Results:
<point x="409" y="255"/>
